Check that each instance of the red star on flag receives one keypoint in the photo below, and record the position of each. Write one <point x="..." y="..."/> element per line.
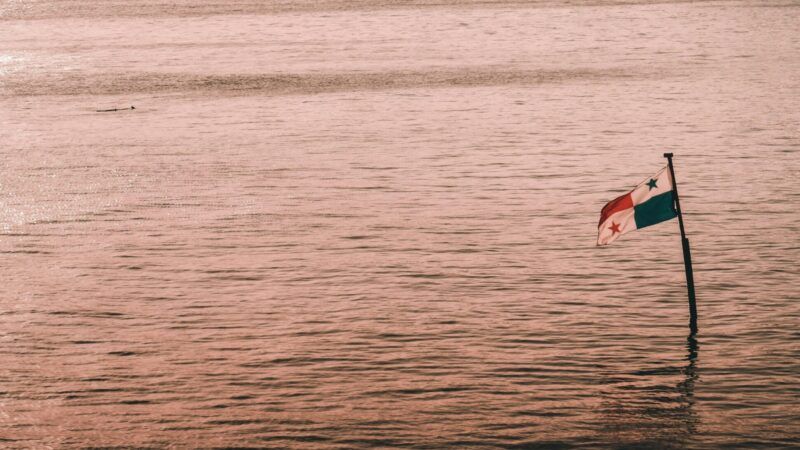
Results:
<point x="614" y="228"/>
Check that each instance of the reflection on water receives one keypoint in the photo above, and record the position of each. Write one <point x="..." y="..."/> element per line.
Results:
<point x="654" y="407"/>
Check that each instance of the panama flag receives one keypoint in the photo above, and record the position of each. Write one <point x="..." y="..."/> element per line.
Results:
<point x="649" y="203"/>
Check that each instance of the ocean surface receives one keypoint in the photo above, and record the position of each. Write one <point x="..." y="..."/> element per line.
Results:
<point x="355" y="224"/>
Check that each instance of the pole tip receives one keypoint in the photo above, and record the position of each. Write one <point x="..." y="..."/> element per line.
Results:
<point x="667" y="155"/>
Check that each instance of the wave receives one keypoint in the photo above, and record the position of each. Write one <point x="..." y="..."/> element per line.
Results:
<point x="48" y="9"/>
<point x="288" y="84"/>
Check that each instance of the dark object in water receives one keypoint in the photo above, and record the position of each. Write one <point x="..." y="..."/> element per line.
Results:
<point x="687" y="255"/>
<point x="115" y="109"/>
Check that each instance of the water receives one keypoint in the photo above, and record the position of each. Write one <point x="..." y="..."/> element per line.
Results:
<point x="346" y="224"/>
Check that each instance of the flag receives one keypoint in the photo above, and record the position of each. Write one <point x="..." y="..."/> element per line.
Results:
<point x="649" y="203"/>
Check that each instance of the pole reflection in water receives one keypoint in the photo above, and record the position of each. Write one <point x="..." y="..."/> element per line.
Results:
<point x="653" y="407"/>
<point x="686" y="386"/>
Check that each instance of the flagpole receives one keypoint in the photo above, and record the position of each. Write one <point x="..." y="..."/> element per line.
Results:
<point x="687" y="256"/>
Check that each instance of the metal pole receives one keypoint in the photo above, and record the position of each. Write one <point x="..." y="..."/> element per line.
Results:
<point x="687" y="255"/>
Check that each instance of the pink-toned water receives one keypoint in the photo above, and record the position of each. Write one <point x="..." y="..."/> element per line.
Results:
<point x="351" y="224"/>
